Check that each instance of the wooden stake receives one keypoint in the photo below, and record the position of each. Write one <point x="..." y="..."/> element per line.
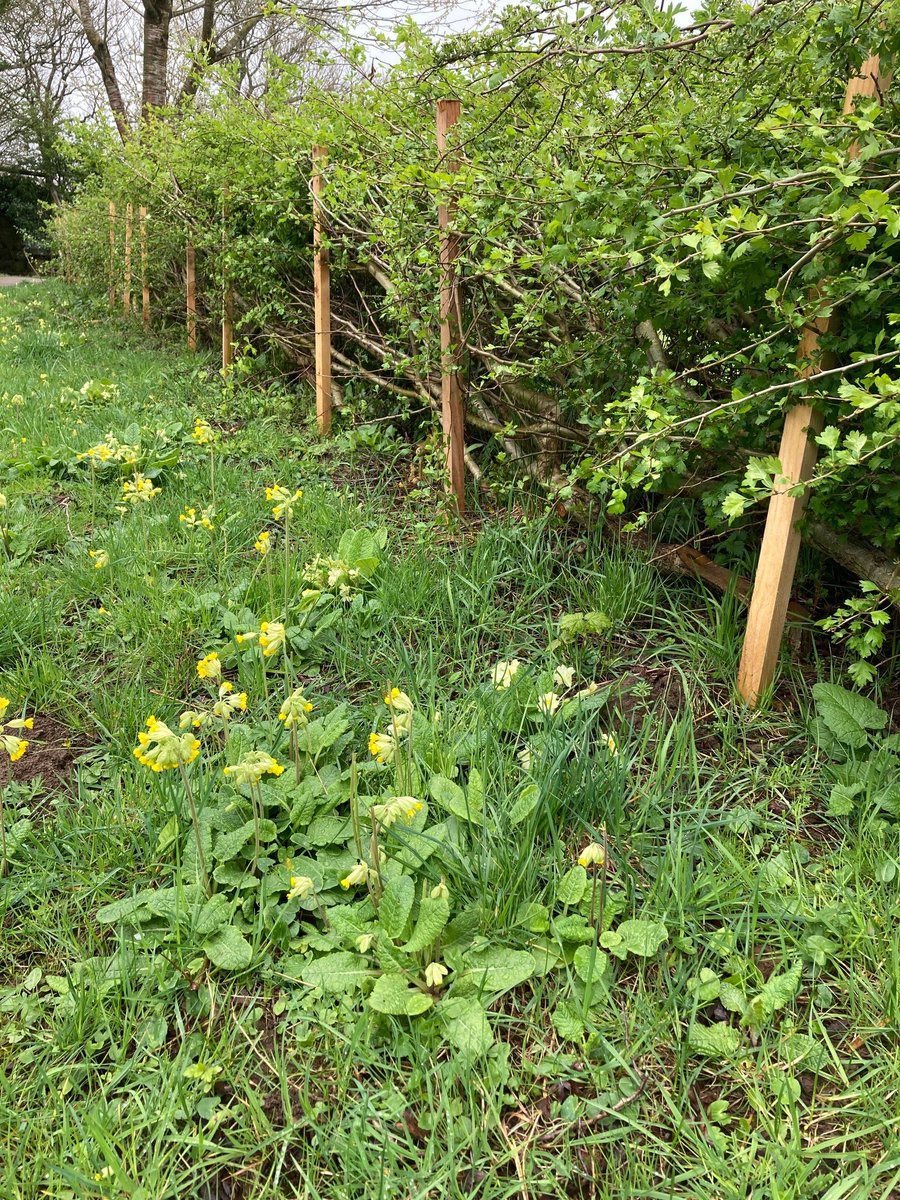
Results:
<point x="781" y="540"/>
<point x="126" y="283"/>
<point x="321" y="296"/>
<point x="190" y="278"/>
<point x="145" y="282"/>
<point x="453" y="417"/>
<point x="111" y="296"/>
<point x="227" y="297"/>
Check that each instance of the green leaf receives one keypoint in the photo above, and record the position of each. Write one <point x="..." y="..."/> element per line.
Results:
<point x="525" y="805"/>
<point x="842" y="800"/>
<point x="574" y="929"/>
<point x="590" y="964"/>
<point x="393" y="995"/>
<point x="706" y="986"/>
<point x="214" y="913"/>
<point x="451" y="797"/>
<point x="714" y="1041"/>
<point x="322" y="733"/>
<point x="776" y="993"/>
<point x="359" y="549"/>
<point x="229" y="949"/>
<point x="567" y="1022"/>
<point x="732" y="998"/>
<point x="396" y="905"/>
<point x="494" y="970"/>
<point x="129" y="906"/>
<point x="639" y="937"/>
<point x="338" y="972"/>
<point x="848" y="715"/>
<point x="228" y="845"/>
<point x="571" y="887"/>
<point x="466" y="1025"/>
<point x="434" y="912"/>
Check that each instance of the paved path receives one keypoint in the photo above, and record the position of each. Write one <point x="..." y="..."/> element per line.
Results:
<point x="12" y="280"/>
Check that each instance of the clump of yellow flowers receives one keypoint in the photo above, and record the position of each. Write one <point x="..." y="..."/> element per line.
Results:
<point x="284" y="501"/>
<point x="14" y="745"/>
<point x="161" y="749"/>
<point x="100" y="557"/>
<point x="383" y="746"/>
<point x="139" y="489"/>
<point x="189" y="518"/>
<point x="250" y="769"/>
<point x="263" y="543"/>
<point x="203" y="432"/>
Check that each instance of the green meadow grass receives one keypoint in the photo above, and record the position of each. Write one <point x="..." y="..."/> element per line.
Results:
<point x="119" y="1077"/>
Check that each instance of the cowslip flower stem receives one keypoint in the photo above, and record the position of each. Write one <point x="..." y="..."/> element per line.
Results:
<point x="4" y="861"/>
<point x="256" y="802"/>
<point x="195" y="821"/>
<point x="354" y="808"/>
<point x="287" y="560"/>
<point x="373" y="880"/>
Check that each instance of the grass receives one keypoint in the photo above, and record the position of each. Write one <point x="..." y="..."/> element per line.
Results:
<point x="136" y="1068"/>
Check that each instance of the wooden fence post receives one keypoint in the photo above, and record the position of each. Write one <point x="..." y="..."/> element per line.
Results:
<point x="111" y="295"/>
<point x="321" y="295"/>
<point x="227" y="295"/>
<point x="126" y="282"/>
<point x="145" y="281"/>
<point x="190" y="282"/>
<point x="781" y="540"/>
<point x="453" y="417"/>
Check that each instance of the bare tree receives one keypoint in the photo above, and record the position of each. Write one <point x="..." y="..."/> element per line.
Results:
<point x="42" y="58"/>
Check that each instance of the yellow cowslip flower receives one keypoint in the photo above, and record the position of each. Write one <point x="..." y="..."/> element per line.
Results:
<point x="593" y="855"/>
<point x="505" y="672"/>
<point x="271" y="637"/>
<point x="440" y="891"/>
<point x="359" y="874"/>
<point x="229" y="702"/>
<point x="251" y="768"/>
<point x="193" y="718"/>
<point x="434" y="974"/>
<point x="263" y="543"/>
<point x="100" y="557"/>
<point x="284" y="501"/>
<point x="14" y="745"/>
<point x="100" y="453"/>
<point x="139" y="490"/>
<point x="563" y="677"/>
<point x="398" y="701"/>
<point x="189" y="517"/>
<point x="401" y="807"/>
<point x="590" y="690"/>
<point x="294" y="710"/>
<point x="3" y="500"/>
<point x="210" y="666"/>
<point x="250" y="636"/>
<point x="611" y="744"/>
<point x="301" y="886"/>
<point x="549" y="703"/>
<point x="161" y="749"/>
<point x="382" y="746"/>
<point x="203" y="431"/>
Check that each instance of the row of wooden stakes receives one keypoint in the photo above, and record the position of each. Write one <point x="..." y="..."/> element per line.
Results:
<point x="775" y="572"/>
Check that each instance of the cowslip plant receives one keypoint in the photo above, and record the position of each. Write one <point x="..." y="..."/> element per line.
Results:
<point x="864" y="763"/>
<point x="13" y="746"/>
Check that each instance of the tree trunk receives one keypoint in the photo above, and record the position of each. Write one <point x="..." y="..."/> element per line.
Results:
<point x="203" y="54"/>
<point x="103" y="58"/>
<point x="157" y="18"/>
